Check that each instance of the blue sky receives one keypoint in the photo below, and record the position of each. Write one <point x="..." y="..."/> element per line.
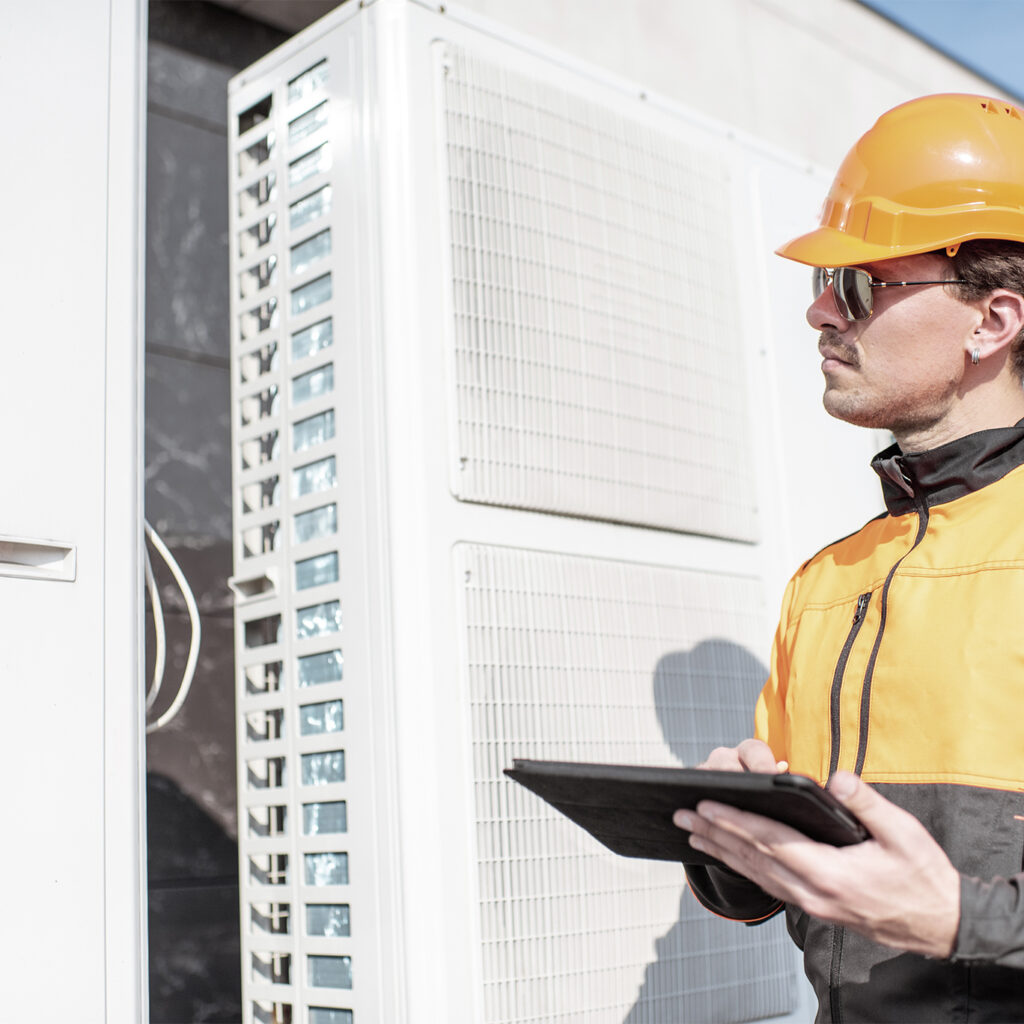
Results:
<point x="986" y="36"/>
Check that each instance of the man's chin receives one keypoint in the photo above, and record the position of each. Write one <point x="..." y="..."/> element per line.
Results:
<point x="846" y="408"/>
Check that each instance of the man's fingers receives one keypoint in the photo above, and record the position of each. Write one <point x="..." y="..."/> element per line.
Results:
<point x="764" y="833"/>
<point x="750" y="756"/>
<point x="757" y="756"/>
<point x="721" y="823"/>
<point x="772" y="854"/>
<point x="722" y="759"/>
<point x="889" y="824"/>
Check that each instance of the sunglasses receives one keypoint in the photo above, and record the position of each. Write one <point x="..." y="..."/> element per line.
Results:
<point x="853" y="289"/>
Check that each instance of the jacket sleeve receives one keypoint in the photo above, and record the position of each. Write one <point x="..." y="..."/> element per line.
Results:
<point x="770" y="724"/>
<point x="728" y="894"/>
<point x="991" y="921"/>
<point x="718" y="888"/>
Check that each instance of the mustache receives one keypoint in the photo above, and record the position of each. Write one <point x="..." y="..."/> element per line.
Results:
<point x="832" y="341"/>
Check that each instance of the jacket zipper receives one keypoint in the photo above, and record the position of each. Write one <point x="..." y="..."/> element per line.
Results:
<point x="865" y="693"/>
<point x="838" y="933"/>
<point x="835" y="1009"/>
<point x="837" y="679"/>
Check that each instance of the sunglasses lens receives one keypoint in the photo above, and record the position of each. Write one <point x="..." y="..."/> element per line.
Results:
<point x="854" y="295"/>
<point x="819" y="280"/>
<point x="851" y="290"/>
<point x="861" y="299"/>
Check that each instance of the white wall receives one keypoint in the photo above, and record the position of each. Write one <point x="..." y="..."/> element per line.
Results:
<point x="807" y="75"/>
<point x="73" y="930"/>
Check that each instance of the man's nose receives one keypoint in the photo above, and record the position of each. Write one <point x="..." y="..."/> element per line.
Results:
<point x="823" y="312"/>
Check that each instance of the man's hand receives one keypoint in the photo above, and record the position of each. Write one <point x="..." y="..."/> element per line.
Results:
<point x="749" y="756"/>
<point x="897" y="888"/>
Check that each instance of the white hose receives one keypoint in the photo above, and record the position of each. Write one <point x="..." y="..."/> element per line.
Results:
<point x="193" y="615"/>
<point x="158" y="629"/>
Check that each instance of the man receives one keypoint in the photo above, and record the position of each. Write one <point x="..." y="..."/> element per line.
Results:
<point x="898" y="666"/>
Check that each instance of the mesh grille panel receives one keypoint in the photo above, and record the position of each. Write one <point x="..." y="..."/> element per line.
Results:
<point x="597" y="362"/>
<point x="582" y="659"/>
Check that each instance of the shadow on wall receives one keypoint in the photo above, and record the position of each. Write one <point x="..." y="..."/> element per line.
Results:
<point x="705" y="698"/>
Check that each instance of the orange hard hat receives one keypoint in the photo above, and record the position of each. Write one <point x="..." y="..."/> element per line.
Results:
<point x="930" y="174"/>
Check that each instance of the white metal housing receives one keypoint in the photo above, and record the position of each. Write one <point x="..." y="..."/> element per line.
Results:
<point x="71" y="603"/>
<point x="510" y="479"/>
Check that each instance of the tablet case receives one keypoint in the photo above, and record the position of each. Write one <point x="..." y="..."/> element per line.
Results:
<point x="629" y="808"/>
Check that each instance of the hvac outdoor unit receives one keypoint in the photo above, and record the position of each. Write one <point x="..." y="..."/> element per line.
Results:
<point x="503" y="444"/>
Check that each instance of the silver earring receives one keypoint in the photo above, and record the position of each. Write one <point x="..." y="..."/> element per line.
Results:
<point x="976" y="356"/>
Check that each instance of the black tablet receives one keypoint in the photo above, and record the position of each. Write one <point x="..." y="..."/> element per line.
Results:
<point x="629" y="808"/>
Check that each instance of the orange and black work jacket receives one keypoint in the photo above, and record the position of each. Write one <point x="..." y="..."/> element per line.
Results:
<point x="900" y="656"/>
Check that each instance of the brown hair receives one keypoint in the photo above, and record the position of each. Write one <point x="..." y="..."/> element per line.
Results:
<point x="985" y="264"/>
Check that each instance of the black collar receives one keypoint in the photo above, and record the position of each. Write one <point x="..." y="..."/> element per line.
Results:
<point x="949" y="471"/>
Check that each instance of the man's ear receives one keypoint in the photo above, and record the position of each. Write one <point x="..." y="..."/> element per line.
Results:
<point x="1002" y="319"/>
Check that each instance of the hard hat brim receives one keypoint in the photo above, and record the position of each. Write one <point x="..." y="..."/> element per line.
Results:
<point x="829" y="247"/>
